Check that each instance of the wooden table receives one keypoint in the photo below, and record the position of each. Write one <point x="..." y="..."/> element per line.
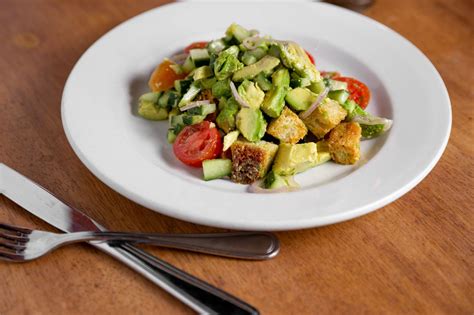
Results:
<point x="413" y="256"/>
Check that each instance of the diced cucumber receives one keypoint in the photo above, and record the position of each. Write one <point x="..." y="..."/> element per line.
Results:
<point x="176" y="68"/>
<point x="248" y="59"/>
<point x="217" y="168"/>
<point x="171" y="135"/>
<point x="216" y="46"/>
<point x="163" y="101"/>
<point x="335" y="85"/>
<point x="182" y="85"/>
<point x="193" y="119"/>
<point x="190" y="94"/>
<point x="372" y="131"/>
<point x="229" y="139"/>
<point x="300" y="99"/>
<point x="263" y="82"/>
<point x="297" y="81"/>
<point x="148" y="109"/>
<point x="202" y="72"/>
<point x="317" y="87"/>
<point x="340" y="96"/>
<point x="188" y="65"/>
<point x="200" y="57"/>
<point x="173" y="98"/>
<point x="202" y="110"/>
<point x="238" y="32"/>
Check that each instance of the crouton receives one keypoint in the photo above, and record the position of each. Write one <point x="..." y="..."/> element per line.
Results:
<point x="344" y="143"/>
<point x="325" y="117"/>
<point x="251" y="160"/>
<point x="288" y="127"/>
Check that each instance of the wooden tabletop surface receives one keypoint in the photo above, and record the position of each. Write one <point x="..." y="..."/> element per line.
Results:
<point x="415" y="255"/>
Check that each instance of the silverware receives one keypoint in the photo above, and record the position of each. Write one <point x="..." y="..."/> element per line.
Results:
<point x="197" y="294"/>
<point x="20" y="244"/>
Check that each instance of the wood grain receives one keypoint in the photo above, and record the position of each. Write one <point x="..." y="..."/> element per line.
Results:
<point x="416" y="255"/>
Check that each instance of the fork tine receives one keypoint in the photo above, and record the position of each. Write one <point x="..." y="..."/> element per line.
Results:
<point x="15" y="229"/>
<point x="13" y="245"/>
<point x="14" y="237"/>
<point x="10" y="256"/>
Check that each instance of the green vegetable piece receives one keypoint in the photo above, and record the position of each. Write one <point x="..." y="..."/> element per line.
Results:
<point x="200" y="57"/>
<point x="372" y="131"/>
<point x="275" y="181"/>
<point x="298" y="81"/>
<point x="335" y="85"/>
<point x="202" y="110"/>
<point x="182" y="85"/>
<point x="148" y="109"/>
<point x="295" y="158"/>
<point x="295" y="58"/>
<point x="217" y="168"/>
<point x="353" y="110"/>
<point x="216" y="46"/>
<point x="251" y="93"/>
<point x="251" y="123"/>
<point x="300" y="99"/>
<point x="275" y="99"/>
<point x="222" y="89"/>
<point x="265" y="65"/>
<point x="323" y="153"/>
<point x="229" y="139"/>
<point x="227" y="63"/>
<point x="188" y="65"/>
<point x="317" y="87"/>
<point x="226" y="118"/>
<point x="176" y="68"/>
<point x="263" y="82"/>
<point x="207" y="83"/>
<point x="190" y="94"/>
<point x="171" y="135"/>
<point x="248" y="59"/>
<point x="238" y="32"/>
<point x="340" y="96"/>
<point x="202" y="73"/>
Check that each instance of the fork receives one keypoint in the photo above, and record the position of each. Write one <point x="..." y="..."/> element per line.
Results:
<point x="19" y="244"/>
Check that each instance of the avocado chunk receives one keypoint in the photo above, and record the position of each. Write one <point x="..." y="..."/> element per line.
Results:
<point x="300" y="99"/>
<point x="295" y="158"/>
<point x="251" y="160"/>
<point x="263" y="82"/>
<point x="275" y="99"/>
<point x="222" y="89"/>
<point x="325" y="117"/>
<point x="265" y="65"/>
<point x="226" y="118"/>
<point x="227" y="63"/>
<point x="251" y="123"/>
<point x="217" y="168"/>
<point x="288" y="127"/>
<point x="251" y="93"/>
<point x="294" y="57"/>
<point x="148" y="107"/>
<point x="323" y="152"/>
<point x="229" y="139"/>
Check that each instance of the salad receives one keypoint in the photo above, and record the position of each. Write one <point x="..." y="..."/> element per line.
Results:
<point x="256" y="110"/>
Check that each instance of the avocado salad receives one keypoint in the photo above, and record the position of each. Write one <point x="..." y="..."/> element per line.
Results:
<point x="256" y="110"/>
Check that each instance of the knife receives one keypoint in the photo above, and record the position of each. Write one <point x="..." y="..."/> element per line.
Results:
<point x="197" y="294"/>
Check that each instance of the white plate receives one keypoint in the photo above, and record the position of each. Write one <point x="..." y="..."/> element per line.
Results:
<point x="131" y="155"/>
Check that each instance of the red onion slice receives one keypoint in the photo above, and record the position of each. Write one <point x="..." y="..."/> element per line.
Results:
<point x="316" y="103"/>
<point x="194" y="104"/>
<point x="237" y="97"/>
<point x="179" y="58"/>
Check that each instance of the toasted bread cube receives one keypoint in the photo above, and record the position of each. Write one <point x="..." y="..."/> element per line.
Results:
<point x="251" y="160"/>
<point x="288" y="127"/>
<point x="344" y="143"/>
<point x="325" y="117"/>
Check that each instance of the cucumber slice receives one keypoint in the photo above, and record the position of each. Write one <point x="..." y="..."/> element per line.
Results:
<point x="188" y="65"/>
<point x="189" y="95"/>
<point x="202" y="110"/>
<point x="340" y="96"/>
<point x="317" y="87"/>
<point x="335" y="85"/>
<point x="217" y="168"/>
<point x="200" y="57"/>
<point x="182" y="86"/>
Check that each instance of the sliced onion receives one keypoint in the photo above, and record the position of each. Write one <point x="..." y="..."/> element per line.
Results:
<point x="179" y="58"/>
<point x="237" y="97"/>
<point x="316" y="103"/>
<point x="194" y="104"/>
<point x="373" y="120"/>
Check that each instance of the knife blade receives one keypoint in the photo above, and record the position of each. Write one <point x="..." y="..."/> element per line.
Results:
<point x="197" y="294"/>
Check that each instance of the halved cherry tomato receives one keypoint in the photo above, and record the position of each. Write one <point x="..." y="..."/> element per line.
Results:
<point x="359" y="91"/>
<point x="197" y="143"/>
<point x="311" y="58"/>
<point x="195" y="45"/>
<point x="163" y="77"/>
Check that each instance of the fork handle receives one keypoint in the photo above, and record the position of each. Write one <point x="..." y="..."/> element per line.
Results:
<point x="245" y="245"/>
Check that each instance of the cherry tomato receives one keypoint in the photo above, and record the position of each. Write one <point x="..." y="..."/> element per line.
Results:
<point x="163" y="77"/>
<point x="311" y="58"/>
<point x="197" y="143"/>
<point x="195" y="45"/>
<point x="359" y="91"/>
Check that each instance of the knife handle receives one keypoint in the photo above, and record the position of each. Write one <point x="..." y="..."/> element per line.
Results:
<point x="197" y="294"/>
